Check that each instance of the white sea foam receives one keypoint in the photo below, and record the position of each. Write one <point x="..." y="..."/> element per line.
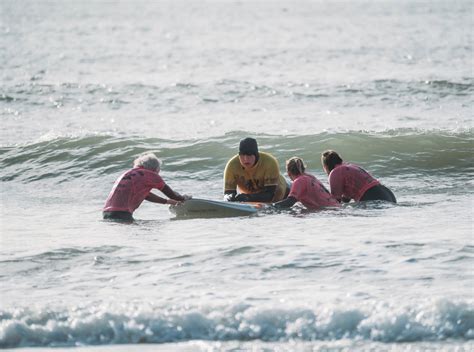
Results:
<point x="129" y="324"/>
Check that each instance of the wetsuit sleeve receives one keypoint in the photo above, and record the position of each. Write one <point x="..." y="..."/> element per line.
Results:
<point x="285" y="203"/>
<point x="265" y="196"/>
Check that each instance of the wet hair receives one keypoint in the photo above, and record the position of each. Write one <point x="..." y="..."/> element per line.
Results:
<point x="148" y="161"/>
<point x="295" y="166"/>
<point x="330" y="159"/>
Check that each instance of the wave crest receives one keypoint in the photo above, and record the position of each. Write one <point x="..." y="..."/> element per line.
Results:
<point x="386" y="153"/>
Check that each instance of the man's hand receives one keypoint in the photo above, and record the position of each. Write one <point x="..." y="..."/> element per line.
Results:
<point x="229" y="197"/>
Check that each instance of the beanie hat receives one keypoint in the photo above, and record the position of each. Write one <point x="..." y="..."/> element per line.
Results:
<point x="248" y="146"/>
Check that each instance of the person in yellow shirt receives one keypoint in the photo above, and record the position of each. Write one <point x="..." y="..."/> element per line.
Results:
<point x="253" y="176"/>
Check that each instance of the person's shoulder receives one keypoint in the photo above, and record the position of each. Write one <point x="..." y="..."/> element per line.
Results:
<point x="305" y="178"/>
<point x="233" y="163"/>
<point x="127" y="172"/>
<point x="312" y="179"/>
<point x="300" y="183"/>
<point x="350" y="167"/>
<point x="337" y="171"/>
<point x="267" y="157"/>
<point x="142" y="171"/>
<point x="349" y="164"/>
<point x="308" y="177"/>
<point x="233" y="160"/>
<point x="151" y="175"/>
<point x="343" y="166"/>
<point x="299" y="180"/>
<point x="138" y="171"/>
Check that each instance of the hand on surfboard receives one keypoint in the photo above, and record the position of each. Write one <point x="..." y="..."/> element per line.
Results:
<point x="173" y="202"/>
<point x="232" y="197"/>
<point x="178" y="202"/>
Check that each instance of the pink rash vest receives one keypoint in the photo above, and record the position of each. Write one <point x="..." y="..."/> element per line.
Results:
<point x="350" y="181"/>
<point x="131" y="188"/>
<point x="308" y="190"/>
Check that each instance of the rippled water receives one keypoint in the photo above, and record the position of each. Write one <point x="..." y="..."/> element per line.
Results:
<point x="88" y="86"/>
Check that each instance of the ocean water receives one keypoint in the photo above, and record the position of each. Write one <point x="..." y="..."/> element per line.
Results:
<point x="87" y="86"/>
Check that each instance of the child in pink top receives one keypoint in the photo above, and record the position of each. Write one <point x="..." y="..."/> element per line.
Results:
<point x="349" y="181"/>
<point x="306" y="188"/>
<point x="134" y="186"/>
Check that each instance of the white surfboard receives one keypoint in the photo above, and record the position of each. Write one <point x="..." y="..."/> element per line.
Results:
<point x="214" y="208"/>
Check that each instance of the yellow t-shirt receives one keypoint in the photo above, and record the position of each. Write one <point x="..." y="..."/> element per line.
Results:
<point x="266" y="172"/>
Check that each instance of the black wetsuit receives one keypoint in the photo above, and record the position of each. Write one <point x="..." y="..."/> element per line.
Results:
<point x="379" y="192"/>
<point x="118" y="216"/>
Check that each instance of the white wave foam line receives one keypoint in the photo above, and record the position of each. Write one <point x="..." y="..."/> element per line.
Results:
<point x="382" y="322"/>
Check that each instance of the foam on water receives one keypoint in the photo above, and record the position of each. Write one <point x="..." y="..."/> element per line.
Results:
<point x="424" y="320"/>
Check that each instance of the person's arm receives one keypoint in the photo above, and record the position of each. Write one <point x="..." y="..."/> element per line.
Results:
<point x="172" y="194"/>
<point x="336" y="184"/>
<point x="297" y="190"/>
<point x="285" y="203"/>
<point x="230" y="185"/>
<point x="265" y="196"/>
<point x="156" y="199"/>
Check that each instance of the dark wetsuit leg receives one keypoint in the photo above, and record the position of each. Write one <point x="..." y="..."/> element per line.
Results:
<point x="379" y="192"/>
<point x="118" y="216"/>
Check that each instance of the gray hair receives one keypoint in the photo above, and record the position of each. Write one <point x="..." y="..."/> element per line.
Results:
<point x="148" y="161"/>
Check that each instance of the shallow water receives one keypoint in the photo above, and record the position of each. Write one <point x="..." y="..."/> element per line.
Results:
<point x="87" y="87"/>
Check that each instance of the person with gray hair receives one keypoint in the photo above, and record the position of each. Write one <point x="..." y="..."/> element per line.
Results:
<point x="148" y="161"/>
<point x="134" y="186"/>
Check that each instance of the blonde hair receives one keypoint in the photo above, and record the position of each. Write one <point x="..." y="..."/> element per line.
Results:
<point x="148" y="161"/>
<point x="295" y="166"/>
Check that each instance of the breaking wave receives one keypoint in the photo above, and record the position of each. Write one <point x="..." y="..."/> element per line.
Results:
<point x="141" y="323"/>
<point x="387" y="153"/>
